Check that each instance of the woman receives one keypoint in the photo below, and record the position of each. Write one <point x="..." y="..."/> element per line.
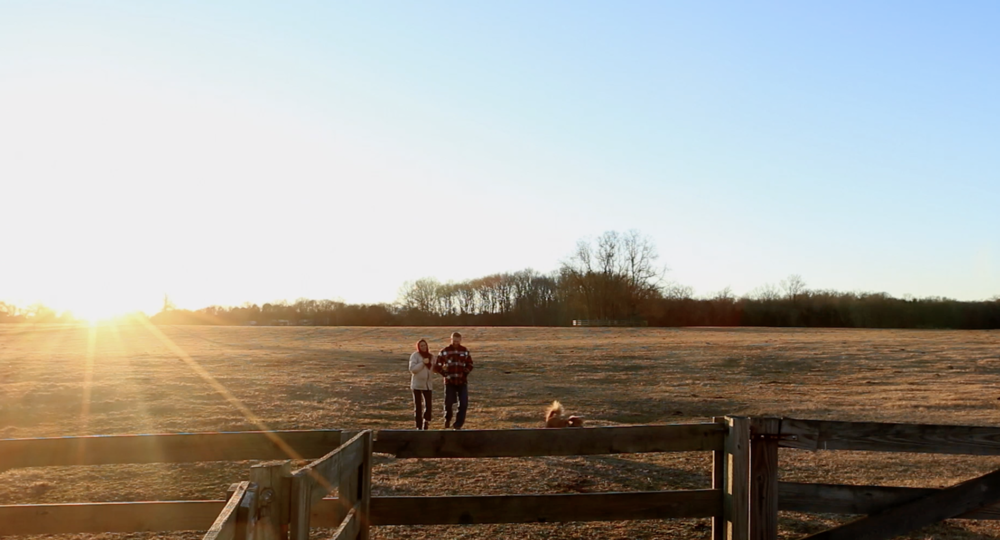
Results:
<point x="421" y="382"/>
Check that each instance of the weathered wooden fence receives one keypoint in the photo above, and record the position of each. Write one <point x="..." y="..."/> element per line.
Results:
<point x="891" y="511"/>
<point x="277" y="502"/>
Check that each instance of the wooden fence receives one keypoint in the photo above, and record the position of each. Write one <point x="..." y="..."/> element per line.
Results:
<point x="891" y="511"/>
<point x="277" y="502"/>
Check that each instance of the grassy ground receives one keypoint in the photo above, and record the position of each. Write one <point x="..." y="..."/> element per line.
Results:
<point x="129" y="379"/>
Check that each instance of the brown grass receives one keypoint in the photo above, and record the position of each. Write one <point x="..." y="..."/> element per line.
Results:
<point x="76" y="381"/>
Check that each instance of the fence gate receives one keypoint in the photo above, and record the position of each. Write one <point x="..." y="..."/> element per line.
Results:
<point x="277" y="503"/>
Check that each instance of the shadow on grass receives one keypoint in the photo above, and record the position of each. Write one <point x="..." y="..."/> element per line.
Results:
<point x="628" y="474"/>
<point x="666" y="410"/>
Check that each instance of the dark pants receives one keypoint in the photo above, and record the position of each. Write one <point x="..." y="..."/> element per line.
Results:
<point x="453" y="393"/>
<point x="422" y="411"/>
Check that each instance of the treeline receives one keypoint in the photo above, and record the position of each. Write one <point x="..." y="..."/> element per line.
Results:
<point x="613" y="278"/>
<point x="35" y="313"/>
<point x="829" y="309"/>
<point x="821" y="309"/>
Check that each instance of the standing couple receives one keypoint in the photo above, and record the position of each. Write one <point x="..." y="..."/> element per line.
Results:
<point x="453" y="363"/>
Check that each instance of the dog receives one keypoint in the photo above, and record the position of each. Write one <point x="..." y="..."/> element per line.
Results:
<point x="554" y="417"/>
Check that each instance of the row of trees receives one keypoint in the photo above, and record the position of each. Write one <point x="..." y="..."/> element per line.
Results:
<point x="808" y="308"/>
<point x="612" y="278"/>
<point x="39" y="313"/>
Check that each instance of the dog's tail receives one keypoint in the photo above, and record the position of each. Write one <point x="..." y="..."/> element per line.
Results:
<point x="554" y="411"/>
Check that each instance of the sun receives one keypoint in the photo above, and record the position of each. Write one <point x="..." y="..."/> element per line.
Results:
<point x="99" y="312"/>
<point x="104" y="307"/>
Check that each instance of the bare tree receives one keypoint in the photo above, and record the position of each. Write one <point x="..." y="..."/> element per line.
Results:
<point x="421" y="295"/>
<point x="466" y="298"/>
<point x="676" y="291"/>
<point x="615" y="277"/>
<point x="765" y="292"/>
<point x="794" y="287"/>
<point x="725" y="295"/>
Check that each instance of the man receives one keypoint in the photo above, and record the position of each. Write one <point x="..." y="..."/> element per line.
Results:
<point x="455" y="363"/>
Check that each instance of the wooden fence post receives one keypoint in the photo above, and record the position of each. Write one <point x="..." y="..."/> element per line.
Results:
<point x="246" y="517"/>
<point x="355" y="487"/>
<point x="719" y="483"/>
<point x="764" y="433"/>
<point x="273" y="479"/>
<point x="301" y="509"/>
<point x="735" y="521"/>
<point x="365" y="488"/>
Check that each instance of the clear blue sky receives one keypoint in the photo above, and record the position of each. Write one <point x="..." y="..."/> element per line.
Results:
<point x="231" y="151"/>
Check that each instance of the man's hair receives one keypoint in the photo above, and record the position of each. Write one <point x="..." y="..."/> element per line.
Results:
<point x="456" y="334"/>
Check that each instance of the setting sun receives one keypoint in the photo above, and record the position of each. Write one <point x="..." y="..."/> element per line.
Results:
<point x="99" y="312"/>
<point x="102" y="305"/>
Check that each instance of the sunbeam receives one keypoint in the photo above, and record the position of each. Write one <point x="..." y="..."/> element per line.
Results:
<point x="131" y="389"/>
<point x="222" y="390"/>
<point x="88" y="377"/>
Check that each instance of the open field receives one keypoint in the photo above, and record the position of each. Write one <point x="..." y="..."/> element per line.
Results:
<point x="60" y="381"/>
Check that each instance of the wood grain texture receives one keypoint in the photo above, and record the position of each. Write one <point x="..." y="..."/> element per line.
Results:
<point x="301" y="510"/>
<point x="273" y="480"/>
<point x="246" y="520"/>
<point x="365" y="491"/>
<point x="736" y="495"/>
<point x="349" y="529"/>
<point x="324" y="475"/>
<point x="764" y="478"/>
<point x="224" y="526"/>
<point x="719" y="482"/>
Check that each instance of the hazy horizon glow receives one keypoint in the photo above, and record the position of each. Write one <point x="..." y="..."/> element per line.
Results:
<point x="234" y="152"/>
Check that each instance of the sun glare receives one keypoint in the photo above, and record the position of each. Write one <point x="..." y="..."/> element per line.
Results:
<point x="96" y="313"/>
<point x="106" y="307"/>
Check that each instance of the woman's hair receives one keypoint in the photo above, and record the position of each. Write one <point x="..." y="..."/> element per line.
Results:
<point x="422" y="353"/>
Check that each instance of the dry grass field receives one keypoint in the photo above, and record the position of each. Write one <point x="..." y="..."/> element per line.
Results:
<point x="59" y="381"/>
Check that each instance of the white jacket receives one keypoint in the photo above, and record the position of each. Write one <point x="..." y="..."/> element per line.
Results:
<point x="421" y="378"/>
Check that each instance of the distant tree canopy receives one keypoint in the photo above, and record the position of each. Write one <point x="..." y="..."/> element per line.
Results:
<point x="612" y="278"/>
<point x="615" y="278"/>
<point x="36" y="312"/>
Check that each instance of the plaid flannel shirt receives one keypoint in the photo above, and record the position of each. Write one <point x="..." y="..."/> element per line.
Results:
<point x="454" y="363"/>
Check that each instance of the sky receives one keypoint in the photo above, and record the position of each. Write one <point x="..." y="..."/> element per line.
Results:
<point x="232" y="152"/>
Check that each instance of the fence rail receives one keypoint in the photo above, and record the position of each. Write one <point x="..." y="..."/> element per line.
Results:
<point x="886" y="437"/>
<point x="857" y="500"/>
<point x="547" y="508"/>
<point x="169" y="448"/>
<point x="550" y="442"/>
<point x="168" y="516"/>
<point x="258" y="445"/>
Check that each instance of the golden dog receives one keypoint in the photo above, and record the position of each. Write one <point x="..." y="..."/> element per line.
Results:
<point x="554" y="417"/>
